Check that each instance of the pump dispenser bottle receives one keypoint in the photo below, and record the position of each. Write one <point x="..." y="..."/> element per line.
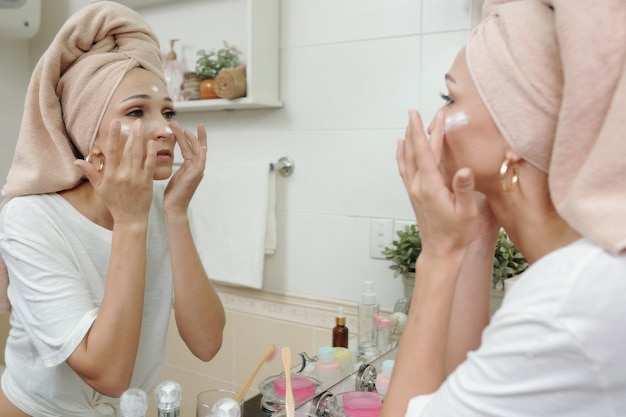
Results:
<point x="368" y="309"/>
<point x="340" y="331"/>
<point x="174" y="74"/>
<point x="168" y="397"/>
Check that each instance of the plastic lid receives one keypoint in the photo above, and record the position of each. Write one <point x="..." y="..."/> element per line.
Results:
<point x="325" y="354"/>
<point x="362" y="404"/>
<point x="388" y="366"/>
<point x="342" y="354"/>
<point x="134" y="403"/>
<point x="301" y="385"/>
<point x="368" y="296"/>
<point x="168" y="395"/>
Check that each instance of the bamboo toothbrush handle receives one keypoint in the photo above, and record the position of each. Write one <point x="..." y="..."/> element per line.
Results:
<point x="246" y="385"/>
<point x="290" y="406"/>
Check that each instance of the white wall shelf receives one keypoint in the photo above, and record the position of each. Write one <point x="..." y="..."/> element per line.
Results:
<point x="262" y="59"/>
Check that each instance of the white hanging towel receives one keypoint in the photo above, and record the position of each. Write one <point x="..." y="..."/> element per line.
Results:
<point x="234" y="220"/>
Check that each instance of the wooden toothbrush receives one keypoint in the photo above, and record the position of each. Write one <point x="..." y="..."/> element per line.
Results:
<point x="268" y="356"/>
<point x="290" y="406"/>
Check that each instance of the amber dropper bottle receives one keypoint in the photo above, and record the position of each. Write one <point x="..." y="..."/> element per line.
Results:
<point x="340" y="331"/>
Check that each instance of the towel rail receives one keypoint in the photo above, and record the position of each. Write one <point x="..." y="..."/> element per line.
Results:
<point x="284" y="166"/>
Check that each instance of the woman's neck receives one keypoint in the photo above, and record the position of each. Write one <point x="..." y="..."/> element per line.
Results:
<point x="84" y="199"/>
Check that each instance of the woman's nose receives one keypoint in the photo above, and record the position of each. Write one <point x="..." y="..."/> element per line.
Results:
<point x="159" y="128"/>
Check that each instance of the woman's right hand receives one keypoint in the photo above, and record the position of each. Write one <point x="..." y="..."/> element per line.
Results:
<point x="448" y="218"/>
<point x="125" y="183"/>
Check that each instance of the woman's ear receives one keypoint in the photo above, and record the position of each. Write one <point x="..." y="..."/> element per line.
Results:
<point x="511" y="155"/>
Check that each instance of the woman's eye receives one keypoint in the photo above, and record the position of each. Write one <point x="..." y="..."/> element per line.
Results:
<point x="169" y="115"/>
<point x="135" y="113"/>
<point x="446" y="98"/>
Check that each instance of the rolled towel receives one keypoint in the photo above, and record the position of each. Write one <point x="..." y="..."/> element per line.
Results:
<point x="231" y="82"/>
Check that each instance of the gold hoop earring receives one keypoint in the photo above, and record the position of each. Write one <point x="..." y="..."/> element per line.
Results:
<point x="89" y="157"/>
<point x="504" y="169"/>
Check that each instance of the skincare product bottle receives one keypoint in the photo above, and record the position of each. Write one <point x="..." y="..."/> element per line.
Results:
<point x="326" y="367"/>
<point x="168" y="397"/>
<point x="383" y="332"/>
<point x="340" y="331"/>
<point x="383" y="378"/>
<point x="368" y="309"/>
<point x="133" y="403"/>
<point x="174" y="74"/>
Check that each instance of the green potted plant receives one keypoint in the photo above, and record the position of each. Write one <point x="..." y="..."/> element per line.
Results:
<point x="507" y="261"/>
<point x="210" y="63"/>
<point x="403" y="253"/>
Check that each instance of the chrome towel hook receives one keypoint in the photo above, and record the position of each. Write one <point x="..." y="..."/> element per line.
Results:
<point x="284" y="166"/>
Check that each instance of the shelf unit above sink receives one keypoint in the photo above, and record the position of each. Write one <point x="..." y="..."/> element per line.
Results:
<point x="262" y="63"/>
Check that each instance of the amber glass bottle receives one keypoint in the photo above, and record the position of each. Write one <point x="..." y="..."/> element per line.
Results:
<point x="340" y="331"/>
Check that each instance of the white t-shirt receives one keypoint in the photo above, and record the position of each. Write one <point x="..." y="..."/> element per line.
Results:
<point x="58" y="261"/>
<point x="556" y="347"/>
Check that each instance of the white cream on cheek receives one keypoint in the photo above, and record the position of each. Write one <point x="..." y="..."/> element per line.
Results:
<point x="454" y="121"/>
<point x="125" y="129"/>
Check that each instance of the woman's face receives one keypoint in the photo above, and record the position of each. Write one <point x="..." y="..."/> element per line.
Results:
<point x="142" y="95"/>
<point x="471" y="138"/>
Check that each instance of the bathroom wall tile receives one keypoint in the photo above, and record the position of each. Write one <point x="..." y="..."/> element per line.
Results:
<point x="335" y="251"/>
<point x="340" y="156"/>
<point x="438" y="16"/>
<point x="300" y="25"/>
<point x="438" y="53"/>
<point x="370" y="84"/>
<point x="349" y="20"/>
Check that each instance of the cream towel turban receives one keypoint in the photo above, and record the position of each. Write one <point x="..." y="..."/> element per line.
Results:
<point x="68" y="94"/>
<point x="552" y="74"/>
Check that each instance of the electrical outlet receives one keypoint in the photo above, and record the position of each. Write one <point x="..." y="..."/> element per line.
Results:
<point x="381" y="235"/>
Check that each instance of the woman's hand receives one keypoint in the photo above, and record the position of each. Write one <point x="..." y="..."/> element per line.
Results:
<point x="448" y="218"/>
<point x="185" y="181"/>
<point x="125" y="182"/>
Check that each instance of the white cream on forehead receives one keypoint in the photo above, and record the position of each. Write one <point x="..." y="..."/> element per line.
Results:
<point x="455" y="120"/>
<point x="154" y="88"/>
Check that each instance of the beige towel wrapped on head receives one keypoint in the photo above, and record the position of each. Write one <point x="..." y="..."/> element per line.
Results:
<point x="68" y="94"/>
<point x="552" y="73"/>
<point x="231" y="82"/>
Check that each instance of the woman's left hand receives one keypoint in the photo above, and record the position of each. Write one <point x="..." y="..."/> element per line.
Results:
<point x="185" y="181"/>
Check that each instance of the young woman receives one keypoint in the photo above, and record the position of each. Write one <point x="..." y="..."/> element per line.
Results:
<point x="97" y="252"/>
<point x="529" y="139"/>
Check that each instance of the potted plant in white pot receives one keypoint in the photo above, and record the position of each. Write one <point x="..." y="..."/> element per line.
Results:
<point x="210" y="63"/>
<point x="403" y="254"/>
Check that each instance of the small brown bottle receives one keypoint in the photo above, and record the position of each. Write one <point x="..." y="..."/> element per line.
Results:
<point x="340" y="331"/>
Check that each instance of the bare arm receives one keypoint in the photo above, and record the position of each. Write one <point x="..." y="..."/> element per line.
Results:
<point x="106" y="356"/>
<point x="199" y="313"/>
<point x="448" y="220"/>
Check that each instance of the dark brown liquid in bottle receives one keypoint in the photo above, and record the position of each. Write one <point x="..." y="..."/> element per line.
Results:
<point x="340" y="333"/>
